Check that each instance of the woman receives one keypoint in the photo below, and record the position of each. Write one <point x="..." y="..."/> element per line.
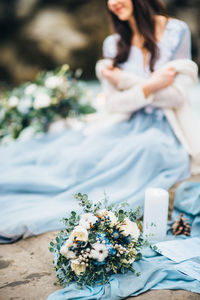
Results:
<point x="39" y="177"/>
<point x="144" y="42"/>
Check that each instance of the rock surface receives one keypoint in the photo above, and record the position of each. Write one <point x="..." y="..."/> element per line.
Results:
<point x="42" y="34"/>
<point x="38" y="34"/>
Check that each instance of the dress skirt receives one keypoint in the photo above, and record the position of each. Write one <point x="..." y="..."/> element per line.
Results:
<point x="39" y="177"/>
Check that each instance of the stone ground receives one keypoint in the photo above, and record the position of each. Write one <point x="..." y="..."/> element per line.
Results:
<point x="26" y="270"/>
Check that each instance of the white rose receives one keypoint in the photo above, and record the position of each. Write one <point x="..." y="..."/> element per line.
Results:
<point x="87" y="220"/>
<point x="24" y="105"/>
<point x="129" y="227"/>
<point x="64" y="250"/>
<point x="41" y="100"/>
<point x="26" y="133"/>
<point x="77" y="267"/>
<point x="30" y="89"/>
<point x="57" y="126"/>
<point x="80" y="233"/>
<point x="53" y="82"/>
<point x="13" y="101"/>
<point x="108" y="214"/>
<point x="99" y="252"/>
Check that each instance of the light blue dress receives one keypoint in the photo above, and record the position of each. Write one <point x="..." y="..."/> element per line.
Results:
<point x="39" y="177"/>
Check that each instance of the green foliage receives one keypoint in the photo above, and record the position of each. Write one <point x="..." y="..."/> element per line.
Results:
<point x="84" y="202"/>
<point x="32" y="107"/>
<point x="71" y="222"/>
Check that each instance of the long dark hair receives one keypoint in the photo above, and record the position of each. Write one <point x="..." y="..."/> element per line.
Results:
<point x="144" y="13"/>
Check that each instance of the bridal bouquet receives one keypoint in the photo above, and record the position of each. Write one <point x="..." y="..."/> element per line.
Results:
<point x="32" y="107"/>
<point x="100" y="242"/>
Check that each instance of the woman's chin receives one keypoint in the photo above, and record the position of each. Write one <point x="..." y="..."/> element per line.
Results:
<point x="123" y="17"/>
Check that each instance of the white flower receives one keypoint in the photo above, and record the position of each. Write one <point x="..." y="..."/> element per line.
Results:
<point x="87" y="220"/>
<point x="77" y="267"/>
<point x="30" y="89"/>
<point x="108" y="214"/>
<point x="24" y="105"/>
<point x="128" y="261"/>
<point x="41" y="100"/>
<point x="80" y="233"/>
<point x="129" y="227"/>
<point x="64" y="250"/>
<point x="26" y="133"/>
<point x="53" y="82"/>
<point x="57" y="126"/>
<point x="99" y="252"/>
<point x="6" y="139"/>
<point x="13" y="101"/>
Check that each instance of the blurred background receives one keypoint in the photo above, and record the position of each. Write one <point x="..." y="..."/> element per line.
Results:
<point x="43" y="34"/>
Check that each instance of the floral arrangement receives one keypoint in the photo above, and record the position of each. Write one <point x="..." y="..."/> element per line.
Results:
<point x="97" y="244"/>
<point x="32" y="107"/>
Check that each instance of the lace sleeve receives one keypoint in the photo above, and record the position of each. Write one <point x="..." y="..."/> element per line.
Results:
<point x="183" y="49"/>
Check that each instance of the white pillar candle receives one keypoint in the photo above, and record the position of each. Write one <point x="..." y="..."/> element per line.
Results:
<point x="155" y="213"/>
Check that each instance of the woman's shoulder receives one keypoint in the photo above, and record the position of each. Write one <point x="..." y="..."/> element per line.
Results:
<point x="174" y="33"/>
<point x="110" y="45"/>
<point x="177" y="36"/>
<point x="176" y="25"/>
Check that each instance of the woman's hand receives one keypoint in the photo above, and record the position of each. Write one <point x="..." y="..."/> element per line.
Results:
<point x="159" y="80"/>
<point x="113" y="74"/>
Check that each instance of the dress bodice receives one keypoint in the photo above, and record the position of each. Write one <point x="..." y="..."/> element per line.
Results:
<point x="174" y="44"/>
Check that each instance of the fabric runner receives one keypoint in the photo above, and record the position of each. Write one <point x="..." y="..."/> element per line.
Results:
<point x="157" y="271"/>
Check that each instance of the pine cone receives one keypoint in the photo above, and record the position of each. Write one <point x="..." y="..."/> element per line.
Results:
<point x="181" y="226"/>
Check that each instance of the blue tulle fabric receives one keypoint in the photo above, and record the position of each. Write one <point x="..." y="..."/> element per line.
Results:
<point x="39" y="177"/>
<point x="157" y="271"/>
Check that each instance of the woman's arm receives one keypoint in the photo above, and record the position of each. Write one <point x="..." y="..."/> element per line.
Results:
<point x="119" y="98"/>
<point x="122" y="100"/>
<point x="129" y="94"/>
<point x="132" y="99"/>
<point x="175" y="95"/>
<point x="127" y="101"/>
<point x="178" y="91"/>
<point x="126" y="79"/>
